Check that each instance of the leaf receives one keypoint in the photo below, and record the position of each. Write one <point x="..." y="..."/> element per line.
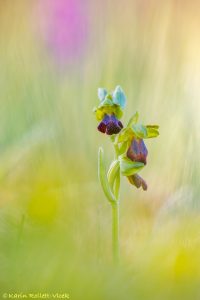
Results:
<point x="119" y="97"/>
<point x="102" y="93"/>
<point x="133" y="119"/>
<point x="129" y="167"/>
<point x="113" y="172"/>
<point x="140" y="131"/>
<point x="103" y="178"/>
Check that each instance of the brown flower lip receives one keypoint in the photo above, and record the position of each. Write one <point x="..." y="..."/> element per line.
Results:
<point x="110" y="125"/>
<point x="137" y="151"/>
<point x="138" y="181"/>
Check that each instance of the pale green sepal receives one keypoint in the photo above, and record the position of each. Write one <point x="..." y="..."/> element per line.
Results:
<point x="119" y="97"/>
<point x="107" y="108"/>
<point x="123" y="148"/>
<point x="102" y="93"/>
<point x="118" y="112"/>
<point x="125" y="135"/>
<point x="129" y="167"/>
<point x="140" y="131"/>
<point x="133" y="120"/>
<point x="103" y="178"/>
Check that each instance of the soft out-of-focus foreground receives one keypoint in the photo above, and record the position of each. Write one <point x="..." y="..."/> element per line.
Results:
<point x="55" y="223"/>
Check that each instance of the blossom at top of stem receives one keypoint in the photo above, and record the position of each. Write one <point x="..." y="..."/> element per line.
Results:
<point x="110" y="103"/>
<point x="110" y="110"/>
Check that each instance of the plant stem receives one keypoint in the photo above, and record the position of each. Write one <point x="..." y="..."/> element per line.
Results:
<point x="115" y="214"/>
<point x="115" y="231"/>
<point x="111" y="186"/>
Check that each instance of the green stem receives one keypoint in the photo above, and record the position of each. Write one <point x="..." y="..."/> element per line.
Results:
<point x="115" y="232"/>
<point x="115" y="214"/>
<point x="111" y="184"/>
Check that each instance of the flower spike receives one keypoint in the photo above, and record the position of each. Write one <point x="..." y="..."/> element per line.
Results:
<point x="130" y="152"/>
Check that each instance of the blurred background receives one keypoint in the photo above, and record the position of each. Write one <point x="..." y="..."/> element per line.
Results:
<point x="55" y="223"/>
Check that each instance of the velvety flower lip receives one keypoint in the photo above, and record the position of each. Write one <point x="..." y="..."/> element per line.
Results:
<point x="138" y="181"/>
<point x="137" y="151"/>
<point x="110" y="125"/>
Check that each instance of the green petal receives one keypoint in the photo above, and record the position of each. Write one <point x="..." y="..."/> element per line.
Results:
<point x="152" y="131"/>
<point x="101" y="110"/>
<point x="118" y="112"/>
<point x="99" y="113"/>
<point x="129" y="167"/>
<point x="152" y="126"/>
<point x="125" y="135"/>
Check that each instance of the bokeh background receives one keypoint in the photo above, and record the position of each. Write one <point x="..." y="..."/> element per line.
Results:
<point x="55" y="223"/>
